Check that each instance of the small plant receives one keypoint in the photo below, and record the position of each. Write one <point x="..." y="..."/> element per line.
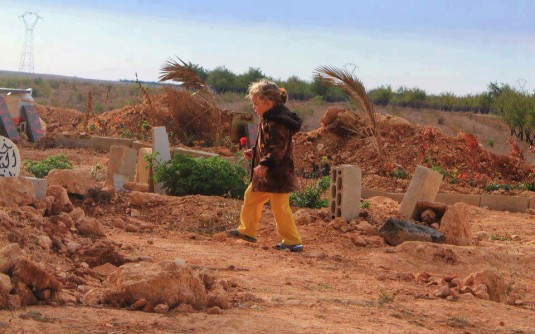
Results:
<point x="126" y="133"/>
<point x="184" y="175"/>
<point x="439" y="169"/>
<point x="41" y="168"/>
<point x="311" y="196"/>
<point x="97" y="171"/>
<point x="494" y="237"/>
<point x="384" y="297"/>
<point x="454" y="176"/>
<point x="365" y="205"/>
<point x="457" y="322"/>
<point x="399" y="173"/>
<point x="490" y="142"/>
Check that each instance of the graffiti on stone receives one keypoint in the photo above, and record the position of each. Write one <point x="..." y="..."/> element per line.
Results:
<point x="9" y="158"/>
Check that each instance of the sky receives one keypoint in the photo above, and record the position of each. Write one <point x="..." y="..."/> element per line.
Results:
<point x="457" y="46"/>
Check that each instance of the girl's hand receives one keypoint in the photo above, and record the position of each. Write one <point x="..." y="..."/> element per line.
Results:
<point x="248" y="154"/>
<point x="260" y="171"/>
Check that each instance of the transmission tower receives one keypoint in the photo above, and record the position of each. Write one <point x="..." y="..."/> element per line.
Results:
<point x="26" y="57"/>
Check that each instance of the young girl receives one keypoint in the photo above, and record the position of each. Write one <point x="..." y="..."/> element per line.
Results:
<point x="272" y="167"/>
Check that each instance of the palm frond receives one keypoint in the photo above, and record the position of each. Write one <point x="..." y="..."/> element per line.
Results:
<point x="341" y="78"/>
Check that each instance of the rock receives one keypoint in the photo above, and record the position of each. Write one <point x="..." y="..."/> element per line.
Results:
<point x="6" y="220"/>
<point x="91" y="226"/>
<point x="136" y="186"/>
<point x="530" y="211"/>
<point x="167" y="282"/>
<point x="184" y="308"/>
<point x="358" y="240"/>
<point x="44" y="295"/>
<point x="455" y="225"/>
<point x="456" y="282"/>
<point x="428" y="216"/>
<point x="25" y="294"/>
<point x="63" y="218"/>
<point x="214" y="310"/>
<point x="492" y="279"/>
<point x="139" y="304"/>
<point x="207" y="277"/>
<point x="75" y="181"/>
<point x="396" y="231"/>
<point x="436" y="226"/>
<point x="219" y="298"/>
<point x="101" y="252"/>
<point x="302" y="217"/>
<point x="61" y="203"/>
<point x="337" y="223"/>
<point x="134" y="213"/>
<point x="208" y="217"/>
<point x="106" y="269"/>
<point x="32" y="275"/>
<point x="9" y="255"/>
<point x="5" y="288"/>
<point x="16" y="191"/>
<point x="374" y="240"/>
<point x="161" y="308"/>
<point x="221" y="236"/>
<point x="442" y="292"/>
<point x="44" y="242"/>
<point x="131" y="228"/>
<point x="72" y="246"/>
<point x="139" y="199"/>
<point x="13" y="302"/>
<point x="148" y="308"/>
<point x="97" y="211"/>
<point x="118" y="222"/>
<point x="366" y="228"/>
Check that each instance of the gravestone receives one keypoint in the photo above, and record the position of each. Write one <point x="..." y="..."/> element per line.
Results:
<point x="160" y="145"/>
<point x="346" y="184"/>
<point x="423" y="187"/>
<point x="251" y="134"/>
<point x="35" y="130"/>
<point x="9" y="158"/>
<point x="7" y="127"/>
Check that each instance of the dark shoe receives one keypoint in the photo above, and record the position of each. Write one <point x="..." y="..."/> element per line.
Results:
<point x="292" y="248"/>
<point x="234" y="233"/>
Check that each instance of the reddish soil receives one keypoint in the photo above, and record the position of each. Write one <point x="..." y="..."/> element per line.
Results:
<point x="334" y="286"/>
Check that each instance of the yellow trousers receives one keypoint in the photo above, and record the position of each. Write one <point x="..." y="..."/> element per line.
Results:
<point x="280" y="205"/>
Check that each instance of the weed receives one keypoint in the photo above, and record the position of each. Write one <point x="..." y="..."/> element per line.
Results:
<point x="490" y="142"/>
<point x="457" y="322"/>
<point x="37" y="316"/>
<point x="494" y="237"/>
<point x="399" y="173"/>
<point x="365" y="205"/>
<point x="311" y="196"/>
<point x="97" y="171"/>
<point x="384" y="297"/>
<point x="41" y="168"/>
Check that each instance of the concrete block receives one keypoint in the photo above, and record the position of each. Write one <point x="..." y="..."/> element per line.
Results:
<point x="505" y="203"/>
<point x="346" y="191"/>
<point x="143" y="171"/>
<point x="136" y="145"/>
<point x="122" y="161"/>
<point x="423" y="187"/>
<point x="160" y="144"/>
<point x="193" y="153"/>
<point x="39" y="185"/>
<point x="451" y="199"/>
<point x="105" y="143"/>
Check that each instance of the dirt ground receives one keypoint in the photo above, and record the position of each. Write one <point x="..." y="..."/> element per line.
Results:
<point x="336" y="285"/>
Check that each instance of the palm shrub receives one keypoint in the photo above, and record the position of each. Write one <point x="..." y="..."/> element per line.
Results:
<point x="185" y="175"/>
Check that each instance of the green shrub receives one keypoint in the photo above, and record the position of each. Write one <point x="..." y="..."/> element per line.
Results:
<point x="399" y="173"/>
<point x="364" y="205"/>
<point x="184" y="175"/>
<point x="42" y="168"/>
<point x="311" y="196"/>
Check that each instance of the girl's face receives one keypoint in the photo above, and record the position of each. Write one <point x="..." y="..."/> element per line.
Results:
<point x="261" y="106"/>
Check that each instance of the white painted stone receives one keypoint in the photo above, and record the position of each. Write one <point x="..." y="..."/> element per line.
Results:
<point x="39" y="185"/>
<point x="160" y="145"/>
<point x="9" y="158"/>
<point x="423" y="187"/>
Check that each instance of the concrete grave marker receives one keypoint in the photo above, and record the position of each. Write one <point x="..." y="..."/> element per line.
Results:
<point x="251" y="134"/>
<point x="423" y="187"/>
<point x="7" y="127"/>
<point x="122" y="161"/>
<point x="9" y="158"/>
<point x="35" y="130"/>
<point x="160" y="144"/>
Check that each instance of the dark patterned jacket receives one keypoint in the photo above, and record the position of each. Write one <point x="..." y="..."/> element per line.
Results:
<point x="274" y="149"/>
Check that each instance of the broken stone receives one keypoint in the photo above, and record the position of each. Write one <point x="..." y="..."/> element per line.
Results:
<point x="302" y="217"/>
<point x="75" y="181"/>
<point x="214" y="310"/>
<point x="118" y="222"/>
<point x="136" y="186"/>
<point x="16" y="191"/>
<point x="9" y="255"/>
<point x="358" y="240"/>
<point x="455" y="225"/>
<point x="44" y="242"/>
<point x="33" y="276"/>
<point x="396" y="231"/>
<point x="337" y="223"/>
<point x="61" y="203"/>
<point x="492" y="279"/>
<point x="442" y="292"/>
<point x="221" y="236"/>
<point x="161" y="308"/>
<point x="91" y="226"/>
<point x="428" y="216"/>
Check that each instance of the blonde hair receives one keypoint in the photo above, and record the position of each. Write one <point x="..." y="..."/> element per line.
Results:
<point x="267" y="90"/>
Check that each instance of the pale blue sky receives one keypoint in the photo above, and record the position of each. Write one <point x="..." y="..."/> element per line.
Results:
<point x="456" y="46"/>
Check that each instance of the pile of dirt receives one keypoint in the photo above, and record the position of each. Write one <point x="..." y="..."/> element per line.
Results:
<point x="59" y="119"/>
<point x="346" y="138"/>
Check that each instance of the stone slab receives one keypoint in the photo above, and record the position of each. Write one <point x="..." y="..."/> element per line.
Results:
<point x="136" y="145"/>
<point x="10" y="162"/>
<point x="71" y="140"/>
<point x="105" y="143"/>
<point x="423" y="187"/>
<point x="122" y="161"/>
<point x="160" y="145"/>
<point x="143" y="171"/>
<point x="505" y="203"/>
<point x="39" y="185"/>
<point x="451" y="199"/>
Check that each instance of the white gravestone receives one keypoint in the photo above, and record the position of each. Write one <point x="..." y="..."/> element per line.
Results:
<point x="9" y="158"/>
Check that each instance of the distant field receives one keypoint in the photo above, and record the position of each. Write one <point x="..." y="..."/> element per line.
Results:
<point x="71" y="93"/>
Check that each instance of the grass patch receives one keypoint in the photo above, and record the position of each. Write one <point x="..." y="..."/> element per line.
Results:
<point x="457" y="322"/>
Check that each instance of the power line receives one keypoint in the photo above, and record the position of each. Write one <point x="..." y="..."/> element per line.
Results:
<point x="26" y="57"/>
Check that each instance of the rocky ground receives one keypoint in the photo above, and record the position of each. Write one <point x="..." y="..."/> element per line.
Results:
<point x="105" y="262"/>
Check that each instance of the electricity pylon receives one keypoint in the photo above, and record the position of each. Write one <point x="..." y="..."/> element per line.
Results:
<point x="26" y="57"/>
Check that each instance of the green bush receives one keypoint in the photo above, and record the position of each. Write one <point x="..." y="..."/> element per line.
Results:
<point x="184" y="175"/>
<point x="311" y="196"/>
<point x="42" y="168"/>
<point x="399" y="173"/>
